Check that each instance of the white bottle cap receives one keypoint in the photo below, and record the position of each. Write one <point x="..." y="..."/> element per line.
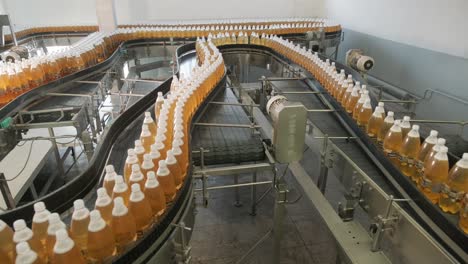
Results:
<point x="162" y="170"/>
<point x="120" y="186"/>
<point x="136" y="168"/>
<point x="390" y="113"/>
<point x="443" y="149"/>
<point x="131" y="152"/>
<point x="136" y="195"/>
<point x="406" y="118"/>
<point x="170" y="159"/>
<point x="381" y="104"/>
<point x="63" y="242"/>
<point x="39" y="206"/>
<point x="78" y="204"/>
<point x="25" y="254"/>
<point x="119" y="207"/>
<point x="415" y="127"/>
<point x="19" y="225"/>
<point x="433" y="133"/>
<point x="441" y="141"/>
<point x="151" y="181"/>
<point x="110" y="169"/>
<point x="147" y="114"/>
<point x="96" y="223"/>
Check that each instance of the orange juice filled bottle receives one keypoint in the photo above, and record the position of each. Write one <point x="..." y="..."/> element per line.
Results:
<point x="101" y="244"/>
<point x="146" y="139"/>
<point x="174" y="168"/>
<point x="346" y="95"/>
<point x="131" y="159"/>
<point x="392" y="143"/>
<point x="79" y="224"/>
<point x="40" y="222"/>
<point x="387" y="124"/>
<point x="150" y="123"/>
<point x="155" y="155"/>
<point x="121" y="189"/>
<point x="430" y="156"/>
<point x="410" y="152"/>
<point x="139" y="150"/>
<point x="55" y="224"/>
<point x="463" y="221"/>
<point x="158" y="105"/>
<point x="7" y="245"/>
<point x="25" y="255"/>
<point x="455" y="187"/>
<point x="365" y="113"/>
<point x="375" y="122"/>
<point x="136" y="176"/>
<point x="352" y="100"/>
<point x="405" y="126"/>
<point x="140" y="208"/>
<point x="435" y="174"/>
<point x="24" y="234"/>
<point x="65" y="250"/>
<point x="364" y="94"/>
<point x="104" y="205"/>
<point x="155" y="194"/>
<point x="147" y="166"/>
<point x="123" y="225"/>
<point x="109" y="178"/>
<point x="425" y="149"/>
<point x="166" y="180"/>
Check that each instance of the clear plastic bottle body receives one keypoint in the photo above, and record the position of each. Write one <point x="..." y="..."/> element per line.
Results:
<point x="123" y="226"/>
<point x="392" y="143"/>
<point x="7" y="246"/>
<point x="454" y="189"/>
<point x="79" y="225"/>
<point x="375" y="124"/>
<point x="435" y="174"/>
<point x="463" y="217"/>
<point x="387" y="124"/>
<point x="140" y="208"/>
<point x="101" y="244"/>
<point x="410" y="152"/>
<point x="424" y="151"/>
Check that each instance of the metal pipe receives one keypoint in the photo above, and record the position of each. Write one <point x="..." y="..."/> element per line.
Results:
<point x="235" y="185"/>
<point x="461" y="123"/>
<point x="141" y="80"/>
<point x="398" y="101"/>
<point x="127" y="94"/>
<point x="280" y="78"/>
<point x="89" y="82"/>
<point x="299" y="92"/>
<point x="335" y="137"/>
<point x="229" y="170"/>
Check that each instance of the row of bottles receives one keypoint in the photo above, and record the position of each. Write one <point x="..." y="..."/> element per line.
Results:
<point x="26" y="31"/>
<point x="425" y="163"/>
<point x="22" y="76"/>
<point x="126" y="206"/>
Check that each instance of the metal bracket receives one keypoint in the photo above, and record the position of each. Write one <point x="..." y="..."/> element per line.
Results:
<point x="352" y="200"/>
<point x="182" y="250"/>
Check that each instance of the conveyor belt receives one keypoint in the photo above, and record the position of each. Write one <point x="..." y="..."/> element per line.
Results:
<point x="226" y="144"/>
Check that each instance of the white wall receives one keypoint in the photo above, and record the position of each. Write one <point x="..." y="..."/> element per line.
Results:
<point x="431" y="24"/>
<point x="46" y="12"/>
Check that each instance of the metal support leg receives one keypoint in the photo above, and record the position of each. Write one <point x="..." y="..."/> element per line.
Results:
<point x="6" y="193"/>
<point x="56" y="151"/>
<point x="253" y="211"/>
<point x="323" y="175"/>
<point x="87" y="144"/>
<point x="278" y="220"/>
<point x="237" y="202"/>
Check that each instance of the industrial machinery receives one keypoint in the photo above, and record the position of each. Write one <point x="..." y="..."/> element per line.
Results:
<point x="231" y="135"/>
<point x="356" y="59"/>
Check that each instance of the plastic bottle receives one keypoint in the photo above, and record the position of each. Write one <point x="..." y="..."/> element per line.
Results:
<point x="375" y="123"/>
<point x="405" y="126"/>
<point x="410" y="152"/>
<point x="140" y="208"/>
<point x="24" y="234"/>
<point x="137" y="176"/>
<point x="7" y="247"/>
<point x="26" y="255"/>
<point x="174" y="168"/>
<point x="55" y="224"/>
<point x="392" y="143"/>
<point x="362" y="99"/>
<point x="155" y="155"/>
<point x="109" y="178"/>
<point x="40" y="222"/>
<point x="430" y="156"/>
<point x="146" y="139"/>
<point x="121" y="189"/>
<point x="435" y="174"/>
<point x="455" y="187"/>
<point x="123" y="225"/>
<point x="426" y="147"/>
<point x="365" y="114"/>
<point x="139" y="150"/>
<point x="463" y="221"/>
<point x="65" y="250"/>
<point x="166" y="180"/>
<point x="352" y="100"/>
<point x="79" y="224"/>
<point x="104" y="205"/>
<point x="101" y="244"/>
<point x="131" y="159"/>
<point x="147" y="166"/>
<point x="158" y="104"/>
<point x="150" y="123"/>
<point x="155" y="194"/>
<point x="387" y="124"/>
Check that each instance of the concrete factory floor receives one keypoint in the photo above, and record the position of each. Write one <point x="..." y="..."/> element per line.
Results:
<point x="223" y="233"/>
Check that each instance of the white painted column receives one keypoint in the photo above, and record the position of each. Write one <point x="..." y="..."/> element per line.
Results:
<point x="105" y="11"/>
